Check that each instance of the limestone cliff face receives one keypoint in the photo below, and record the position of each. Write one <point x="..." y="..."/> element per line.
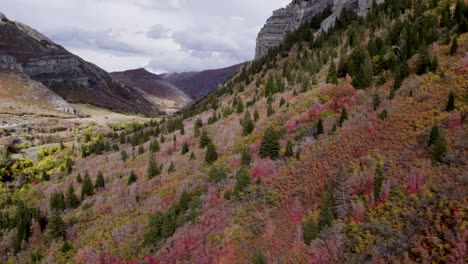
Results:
<point x="298" y="12"/>
<point x="74" y="79"/>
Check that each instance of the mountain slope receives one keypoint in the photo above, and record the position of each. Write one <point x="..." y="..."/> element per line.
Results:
<point x="161" y="93"/>
<point x="74" y="79"/>
<point x="199" y="84"/>
<point x="347" y="148"/>
<point x="21" y="95"/>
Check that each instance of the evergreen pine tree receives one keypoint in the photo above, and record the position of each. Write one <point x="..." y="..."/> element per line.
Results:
<point x="204" y="139"/>
<point x="310" y="231"/>
<point x="153" y="233"/>
<point x="56" y="226"/>
<point x="423" y="62"/>
<point x="154" y="146"/>
<point x="87" y="188"/>
<point x="360" y="68"/>
<point x="124" y="155"/>
<point x="192" y="156"/>
<point x="376" y="100"/>
<point x="211" y="154"/>
<point x="256" y="115"/>
<point x="282" y="101"/>
<point x="243" y="180"/>
<point x="57" y="201"/>
<point x="384" y="114"/>
<point x="152" y="169"/>
<point x="185" y="148"/>
<point x="44" y="175"/>
<point x="450" y="102"/>
<point x="78" y="178"/>
<point x="216" y="174"/>
<point x="463" y="26"/>
<point x="71" y="200"/>
<point x="320" y="129"/>
<point x="247" y="124"/>
<point x="269" y="147"/>
<point x="240" y="106"/>
<point x="342" y="67"/>
<point x="327" y="210"/>
<point x="392" y="94"/>
<point x="270" y="110"/>
<point x="100" y="183"/>
<point x="65" y="247"/>
<point x="132" y="178"/>
<point x="289" y="149"/>
<point x="258" y="257"/>
<point x="169" y="224"/>
<point x="378" y="182"/>
<point x="332" y="76"/>
<point x="434" y="135"/>
<point x="445" y="21"/>
<point x="141" y="149"/>
<point x="439" y="149"/>
<point x="246" y="157"/>
<point x="171" y="168"/>
<point x="344" y="116"/>
<point x="334" y="128"/>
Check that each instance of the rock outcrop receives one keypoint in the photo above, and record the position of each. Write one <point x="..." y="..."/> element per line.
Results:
<point x="290" y="18"/>
<point x="74" y="79"/>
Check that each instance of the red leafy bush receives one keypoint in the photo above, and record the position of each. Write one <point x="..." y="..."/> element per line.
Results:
<point x="265" y="168"/>
<point x="328" y="248"/>
<point x="414" y="181"/>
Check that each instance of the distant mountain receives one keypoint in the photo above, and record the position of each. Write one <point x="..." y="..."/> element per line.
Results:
<point x="74" y="79"/>
<point x="199" y="84"/>
<point x="164" y="95"/>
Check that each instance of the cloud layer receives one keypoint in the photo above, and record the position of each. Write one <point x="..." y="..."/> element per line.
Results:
<point x="161" y="35"/>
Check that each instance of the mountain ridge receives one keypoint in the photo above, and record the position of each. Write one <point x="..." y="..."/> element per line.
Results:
<point x="164" y="95"/>
<point x="199" y="84"/>
<point x="71" y="77"/>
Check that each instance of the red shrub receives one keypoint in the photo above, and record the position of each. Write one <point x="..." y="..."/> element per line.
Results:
<point x="296" y="212"/>
<point x="265" y="168"/>
<point x="455" y="120"/>
<point x="291" y="125"/>
<point x="458" y="253"/>
<point x="357" y="211"/>
<point x="384" y="192"/>
<point x="414" y="182"/>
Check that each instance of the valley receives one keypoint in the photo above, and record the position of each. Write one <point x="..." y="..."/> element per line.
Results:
<point x="344" y="145"/>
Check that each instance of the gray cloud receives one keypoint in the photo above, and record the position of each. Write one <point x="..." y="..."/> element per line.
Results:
<point x="158" y="32"/>
<point x="99" y="39"/>
<point x="163" y="35"/>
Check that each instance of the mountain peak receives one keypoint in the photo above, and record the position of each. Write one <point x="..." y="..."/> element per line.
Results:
<point x="140" y="72"/>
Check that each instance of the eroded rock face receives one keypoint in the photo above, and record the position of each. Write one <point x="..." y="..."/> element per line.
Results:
<point x="74" y="79"/>
<point x="288" y="19"/>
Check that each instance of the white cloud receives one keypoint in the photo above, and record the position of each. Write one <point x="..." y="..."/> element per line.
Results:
<point x="163" y="35"/>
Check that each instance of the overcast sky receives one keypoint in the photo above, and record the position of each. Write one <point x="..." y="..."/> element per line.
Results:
<point x="161" y="35"/>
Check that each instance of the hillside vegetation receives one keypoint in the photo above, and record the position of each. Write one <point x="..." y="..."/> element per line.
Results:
<point x="345" y="148"/>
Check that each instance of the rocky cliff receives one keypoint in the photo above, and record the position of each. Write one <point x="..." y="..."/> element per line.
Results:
<point x="74" y="79"/>
<point x="298" y="12"/>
